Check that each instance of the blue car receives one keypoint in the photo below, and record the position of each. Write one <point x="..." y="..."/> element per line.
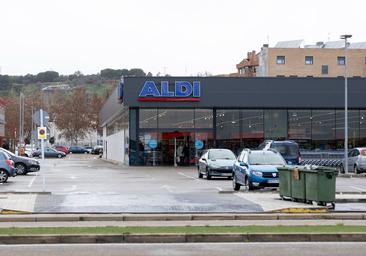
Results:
<point x="287" y="148"/>
<point x="6" y="168"/>
<point x="257" y="169"/>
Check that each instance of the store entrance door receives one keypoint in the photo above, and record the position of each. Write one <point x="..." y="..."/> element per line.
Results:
<point x="177" y="148"/>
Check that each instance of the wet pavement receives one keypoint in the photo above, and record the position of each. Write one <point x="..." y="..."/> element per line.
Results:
<point x="84" y="183"/>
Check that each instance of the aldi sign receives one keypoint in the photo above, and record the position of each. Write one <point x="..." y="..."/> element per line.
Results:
<point x="177" y="91"/>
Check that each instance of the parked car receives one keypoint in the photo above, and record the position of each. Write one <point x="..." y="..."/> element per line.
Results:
<point x="257" y="169"/>
<point x="97" y="150"/>
<point x="62" y="149"/>
<point x="78" y="150"/>
<point x="29" y="149"/>
<point x="49" y="152"/>
<point x="356" y="160"/>
<point x="288" y="149"/>
<point x="22" y="164"/>
<point x="6" y="167"/>
<point x="89" y="148"/>
<point x="216" y="162"/>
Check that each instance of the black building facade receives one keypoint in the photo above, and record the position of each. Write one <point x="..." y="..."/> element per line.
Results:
<point x="182" y="116"/>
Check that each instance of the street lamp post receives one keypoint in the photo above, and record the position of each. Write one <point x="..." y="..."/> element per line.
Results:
<point x="345" y="37"/>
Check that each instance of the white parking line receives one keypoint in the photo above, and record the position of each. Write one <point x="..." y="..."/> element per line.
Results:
<point x="358" y="188"/>
<point x="187" y="176"/>
<point x="219" y="189"/>
<point x="167" y="188"/>
<point x="32" y="180"/>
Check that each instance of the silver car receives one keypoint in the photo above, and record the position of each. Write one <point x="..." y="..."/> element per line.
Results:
<point x="357" y="160"/>
<point x="216" y="162"/>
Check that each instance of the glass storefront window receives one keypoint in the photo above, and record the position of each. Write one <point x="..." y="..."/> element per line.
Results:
<point x="148" y="118"/>
<point x="175" y="118"/>
<point x="227" y="129"/>
<point x="362" y="142"/>
<point x="275" y="124"/>
<point x="252" y="132"/>
<point x="353" y="128"/>
<point x="203" y="118"/>
<point x="299" y="127"/>
<point x="323" y="129"/>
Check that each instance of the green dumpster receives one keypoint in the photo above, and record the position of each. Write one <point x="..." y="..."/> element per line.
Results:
<point x="321" y="185"/>
<point x="285" y="181"/>
<point x="292" y="182"/>
<point x="298" y="184"/>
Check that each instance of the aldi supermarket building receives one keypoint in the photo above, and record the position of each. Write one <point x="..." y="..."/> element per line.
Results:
<point x="149" y="120"/>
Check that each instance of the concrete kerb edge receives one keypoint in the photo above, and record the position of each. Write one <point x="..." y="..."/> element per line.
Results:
<point x="184" y="238"/>
<point x="177" y="217"/>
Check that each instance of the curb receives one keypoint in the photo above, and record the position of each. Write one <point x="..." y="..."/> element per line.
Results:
<point x="178" y="217"/>
<point x="183" y="238"/>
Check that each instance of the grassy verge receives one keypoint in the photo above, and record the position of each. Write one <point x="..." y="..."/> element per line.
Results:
<point x="188" y="230"/>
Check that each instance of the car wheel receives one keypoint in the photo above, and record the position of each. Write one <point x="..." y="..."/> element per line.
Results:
<point x="3" y="176"/>
<point x="355" y="169"/>
<point x="341" y="169"/>
<point x="21" y="169"/>
<point x="248" y="184"/>
<point x="236" y="186"/>
<point x="200" y="175"/>
<point x="208" y="175"/>
<point x="59" y="155"/>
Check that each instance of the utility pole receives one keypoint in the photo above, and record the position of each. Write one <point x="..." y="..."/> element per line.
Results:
<point x="21" y="119"/>
<point x="345" y="37"/>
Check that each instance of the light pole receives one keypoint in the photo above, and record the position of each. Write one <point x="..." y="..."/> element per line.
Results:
<point x="345" y="37"/>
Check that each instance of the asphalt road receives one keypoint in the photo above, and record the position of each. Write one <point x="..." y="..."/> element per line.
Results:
<point x="84" y="183"/>
<point x="216" y="249"/>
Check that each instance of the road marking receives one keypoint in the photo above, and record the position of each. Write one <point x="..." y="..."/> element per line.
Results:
<point x="72" y="177"/>
<point x="357" y="188"/>
<point x="32" y="180"/>
<point x="187" y="176"/>
<point x="219" y="189"/>
<point x="167" y="188"/>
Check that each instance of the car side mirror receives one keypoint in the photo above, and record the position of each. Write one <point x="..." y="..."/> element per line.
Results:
<point x="243" y="164"/>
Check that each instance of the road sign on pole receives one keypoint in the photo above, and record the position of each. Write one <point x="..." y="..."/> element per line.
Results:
<point x="42" y="135"/>
<point x="37" y="118"/>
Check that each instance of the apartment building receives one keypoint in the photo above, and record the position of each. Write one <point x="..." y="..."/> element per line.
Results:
<point x="293" y="58"/>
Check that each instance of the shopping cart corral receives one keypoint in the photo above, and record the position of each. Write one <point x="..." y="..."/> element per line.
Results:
<point x="323" y="158"/>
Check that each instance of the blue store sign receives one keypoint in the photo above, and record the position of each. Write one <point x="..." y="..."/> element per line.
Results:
<point x="199" y="144"/>
<point x="153" y="144"/>
<point x="179" y="91"/>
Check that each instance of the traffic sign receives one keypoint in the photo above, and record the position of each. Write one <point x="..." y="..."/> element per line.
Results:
<point x="42" y="135"/>
<point x="37" y="117"/>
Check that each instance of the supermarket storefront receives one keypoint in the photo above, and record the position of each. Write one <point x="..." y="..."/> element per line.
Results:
<point x="159" y="118"/>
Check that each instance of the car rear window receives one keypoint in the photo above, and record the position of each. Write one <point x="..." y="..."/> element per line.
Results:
<point x="363" y="152"/>
<point x="286" y="149"/>
<point x="265" y="158"/>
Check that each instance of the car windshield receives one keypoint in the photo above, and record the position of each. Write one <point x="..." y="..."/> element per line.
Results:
<point x="221" y="154"/>
<point x="265" y="158"/>
<point x="286" y="149"/>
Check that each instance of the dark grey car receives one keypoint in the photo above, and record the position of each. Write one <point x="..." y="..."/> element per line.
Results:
<point x="23" y="165"/>
<point x="6" y="167"/>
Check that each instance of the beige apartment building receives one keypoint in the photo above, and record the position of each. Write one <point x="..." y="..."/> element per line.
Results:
<point x="292" y="58"/>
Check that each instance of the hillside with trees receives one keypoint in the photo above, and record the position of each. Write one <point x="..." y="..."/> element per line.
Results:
<point x="73" y="101"/>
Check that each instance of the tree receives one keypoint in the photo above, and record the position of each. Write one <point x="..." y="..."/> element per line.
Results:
<point x="48" y="76"/>
<point x="76" y="114"/>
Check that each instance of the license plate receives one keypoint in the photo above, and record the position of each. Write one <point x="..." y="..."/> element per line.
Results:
<point x="273" y="181"/>
<point x="226" y="174"/>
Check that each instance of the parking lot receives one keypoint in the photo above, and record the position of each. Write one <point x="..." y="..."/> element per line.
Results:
<point x="84" y="183"/>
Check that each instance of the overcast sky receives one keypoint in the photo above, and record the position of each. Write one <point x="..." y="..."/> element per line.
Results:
<point x="178" y="37"/>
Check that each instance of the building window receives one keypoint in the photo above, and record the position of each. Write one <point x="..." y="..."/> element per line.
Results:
<point x="299" y="127"/>
<point x="175" y="118"/>
<point x="341" y="60"/>
<point x="280" y="60"/>
<point x="308" y="60"/>
<point x="323" y="129"/>
<point x="324" y="69"/>
<point x="227" y="129"/>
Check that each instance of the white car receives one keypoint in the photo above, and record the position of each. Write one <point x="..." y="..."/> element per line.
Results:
<point x="357" y="160"/>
